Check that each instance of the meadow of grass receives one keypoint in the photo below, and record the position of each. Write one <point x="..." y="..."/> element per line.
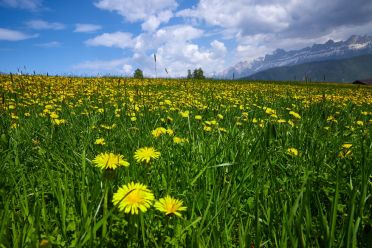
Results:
<point x="256" y="164"/>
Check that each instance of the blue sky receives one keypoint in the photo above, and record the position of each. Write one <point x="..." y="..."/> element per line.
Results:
<point x="91" y="37"/>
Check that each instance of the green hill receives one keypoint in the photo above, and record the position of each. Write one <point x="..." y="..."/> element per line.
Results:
<point x="343" y="70"/>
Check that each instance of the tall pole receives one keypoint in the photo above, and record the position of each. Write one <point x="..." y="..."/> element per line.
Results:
<point x="156" y="74"/>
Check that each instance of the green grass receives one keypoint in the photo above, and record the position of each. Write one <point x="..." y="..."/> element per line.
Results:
<point x="241" y="188"/>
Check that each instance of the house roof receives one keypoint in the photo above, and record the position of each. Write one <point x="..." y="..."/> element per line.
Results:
<point x="367" y="81"/>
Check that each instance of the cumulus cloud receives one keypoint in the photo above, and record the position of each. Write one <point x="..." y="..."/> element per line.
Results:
<point x="22" y="4"/>
<point x="286" y="18"/>
<point x="318" y="18"/>
<point x="177" y="33"/>
<point x="44" y="25"/>
<point x="86" y="28"/>
<point x="255" y="27"/>
<point x="153" y="22"/>
<point x="240" y="16"/>
<point x="118" y="39"/>
<point x="13" y="35"/>
<point x="218" y="47"/>
<point x="259" y="27"/>
<point x="175" y="47"/>
<point x="150" y="12"/>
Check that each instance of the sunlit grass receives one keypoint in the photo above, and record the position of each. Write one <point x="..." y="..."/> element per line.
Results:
<point x="253" y="164"/>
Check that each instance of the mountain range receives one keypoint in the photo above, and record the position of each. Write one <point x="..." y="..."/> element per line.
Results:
<point x="340" y="70"/>
<point x="354" y="46"/>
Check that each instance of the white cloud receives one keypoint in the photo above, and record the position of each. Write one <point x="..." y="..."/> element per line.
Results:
<point x="136" y="10"/>
<point x="240" y="16"/>
<point x="179" y="57"/>
<point x="219" y="47"/>
<point x="151" y="12"/>
<point x="127" y="69"/>
<point x="41" y="25"/>
<point x="174" y="47"/>
<point x="259" y="27"/>
<point x="86" y="28"/>
<point x="13" y="35"/>
<point x="51" y="44"/>
<point x="286" y="18"/>
<point x="178" y="33"/>
<point x="153" y="22"/>
<point x="118" y="39"/>
<point x="22" y="4"/>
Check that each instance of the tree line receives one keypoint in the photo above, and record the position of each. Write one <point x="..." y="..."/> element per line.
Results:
<point x="196" y="74"/>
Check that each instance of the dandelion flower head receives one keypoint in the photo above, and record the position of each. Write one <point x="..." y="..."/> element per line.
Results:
<point x="292" y="151"/>
<point x="145" y="154"/>
<point x="133" y="197"/>
<point x="170" y="205"/>
<point x="110" y="161"/>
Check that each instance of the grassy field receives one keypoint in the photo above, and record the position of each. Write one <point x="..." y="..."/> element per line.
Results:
<point x="251" y="164"/>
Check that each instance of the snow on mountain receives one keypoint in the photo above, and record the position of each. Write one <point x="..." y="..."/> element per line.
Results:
<point x="354" y="46"/>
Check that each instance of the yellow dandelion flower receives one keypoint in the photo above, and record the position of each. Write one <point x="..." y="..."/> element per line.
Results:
<point x="292" y="151"/>
<point x="14" y="116"/>
<point x="219" y="116"/>
<point x="157" y="132"/>
<point x="100" y="141"/>
<point x="207" y="128"/>
<point x="347" y="146"/>
<point x="291" y="123"/>
<point x="360" y="123"/>
<point x="170" y="206"/>
<point x="170" y="132"/>
<point x="54" y="115"/>
<point x="213" y="122"/>
<point x="345" y="153"/>
<point x="184" y="114"/>
<point x="133" y="118"/>
<point x="110" y="161"/>
<point x="281" y="121"/>
<point x="178" y="140"/>
<point x="48" y="107"/>
<point x="346" y="150"/>
<point x="294" y="114"/>
<point x="145" y="154"/>
<point x="269" y="111"/>
<point x="14" y="125"/>
<point x="58" y="121"/>
<point x="133" y="197"/>
<point x="198" y="117"/>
